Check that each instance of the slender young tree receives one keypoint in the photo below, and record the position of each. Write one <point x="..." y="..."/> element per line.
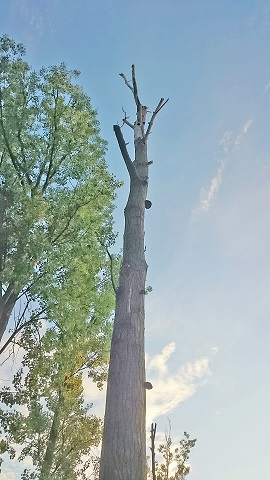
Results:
<point x="123" y="455"/>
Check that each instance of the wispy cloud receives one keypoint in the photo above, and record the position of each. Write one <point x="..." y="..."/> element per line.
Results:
<point x="172" y="388"/>
<point x="229" y="143"/>
<point x="266" y="88"/>
<point x="243" y="131"/>
<point x="208" y="195"/>
<point x="226" y="141"/>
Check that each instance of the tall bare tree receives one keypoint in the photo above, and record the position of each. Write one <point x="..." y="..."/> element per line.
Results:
<point x="123" y="454"/>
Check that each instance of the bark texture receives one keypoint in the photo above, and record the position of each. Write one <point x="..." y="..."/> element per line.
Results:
<point x="8" y="297"/>
<point x="7" y="303"/>
<point x="123" y="455"/>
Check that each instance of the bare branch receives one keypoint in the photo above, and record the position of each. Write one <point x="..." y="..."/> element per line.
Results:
<point x="152" y="448"/>
<point x="161" y="106"/>
<point x="125" y="120"/>
<point x="128" y="123"/>
<point x="126" y="81"/>
<point x="121" y="142"/>
<point x="135" y="89"/>
<point x="154" y="114"/>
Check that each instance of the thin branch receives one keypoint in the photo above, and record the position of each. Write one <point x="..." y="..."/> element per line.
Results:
<point x="154" y="114"/>
<point x="126" y="81"/>
<point x="10" y="152"/>
<point x="111" y="270"/>
<point x="129" y="164"/>
<point x="8" y="292"/>
<point x="128" y="123"/>
<point x="125" y="120"/>
<point x="21" y="316"/>
<point x="135" y="89"/>
<point x="152" y="448"/>
<point x="41" y="172"/>
<point x="2" y="156"/>
<point x="53" y="146"/>
<point x="24" y="158"/>
<point x="111" y="265"/>
<point x="21" y="144"/>
<point x="30" y="285"/>
<point x="18" y="329"/>
<point x="71" y="217"/>
<point x="161" y="106"/>
<point x="13" y="158"/>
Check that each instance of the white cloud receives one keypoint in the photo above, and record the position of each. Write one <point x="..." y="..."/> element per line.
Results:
<point x="226" y="141"/>
<point x="229" y="144"/>
<point x="159" y="362"/>
<point x="243" y="131"/>
<point x="208" y="195"/>
<point x="266" y="88"/>
<point x="172" y="388"/>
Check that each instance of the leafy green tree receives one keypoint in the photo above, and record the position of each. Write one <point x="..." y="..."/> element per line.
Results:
<point x="45" y="413"/>
<point x="56" y="202"/>
<point x="56" y="194"/>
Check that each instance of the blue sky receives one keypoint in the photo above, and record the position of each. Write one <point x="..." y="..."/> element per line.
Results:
<point x="208" y="232"/>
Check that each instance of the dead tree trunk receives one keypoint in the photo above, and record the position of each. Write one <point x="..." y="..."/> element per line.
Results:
<point x="123" y="455"/>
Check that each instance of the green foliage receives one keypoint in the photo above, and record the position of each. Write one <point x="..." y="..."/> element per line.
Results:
<point x="56" y="194"/>
<point x="56" y="203"/>
<point x="49" y="386"/>
<point x="174" y="458"/>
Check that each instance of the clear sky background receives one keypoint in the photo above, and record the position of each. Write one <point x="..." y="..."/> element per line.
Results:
<point x="208" y="231"/>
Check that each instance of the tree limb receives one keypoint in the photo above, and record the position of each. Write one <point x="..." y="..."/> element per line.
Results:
<point x="13" y="158"/>
<point x="154" y="114"/>
<point x="126" y="81"/>
<point x="77" y="208"/>
<point x="19" y="327"/>
<point x="111" y="265"/>
<point x="125" y="120"/>
<point x="135" y="89"/>
<point x="152" y="448"/>
<point x="53" y="146"/>
<point x="129" y="164"/>
<point x="111" y="270"/>
<point x="2" y="156"/>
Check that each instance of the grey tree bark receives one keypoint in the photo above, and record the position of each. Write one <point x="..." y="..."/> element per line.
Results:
<point x="123" y="455"/>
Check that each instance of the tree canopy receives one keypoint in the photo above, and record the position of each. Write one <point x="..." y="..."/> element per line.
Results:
<point x="56" y="203"/>
<point x="56" y="194"/>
